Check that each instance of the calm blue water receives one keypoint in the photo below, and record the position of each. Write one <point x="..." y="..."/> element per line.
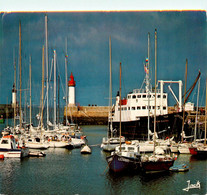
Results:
<point x="65" y="171"/>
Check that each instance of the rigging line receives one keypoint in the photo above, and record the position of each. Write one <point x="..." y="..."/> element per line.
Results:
<point x="61" y="83"/>
<point x="48" y="84"/>
<point x="202" y="98"/>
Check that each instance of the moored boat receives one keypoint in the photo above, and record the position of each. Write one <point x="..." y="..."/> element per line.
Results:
<point x="126" y="158"/>
<point x="156" y="163"/>
<point x="36" y="143"/>
<point x="179" y="168"/>
<point x="9" y="149"/>
<point x="109" y="144"/>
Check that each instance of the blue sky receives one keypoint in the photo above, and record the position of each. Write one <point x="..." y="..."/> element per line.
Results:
<point x="181" y="35"/>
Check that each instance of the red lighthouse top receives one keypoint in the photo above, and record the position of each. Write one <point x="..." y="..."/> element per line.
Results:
<point x="71" y="81"/>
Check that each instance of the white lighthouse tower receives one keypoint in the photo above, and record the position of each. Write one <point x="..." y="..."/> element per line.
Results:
<point x="71" y="87"/>
<point x="14" y="95"/>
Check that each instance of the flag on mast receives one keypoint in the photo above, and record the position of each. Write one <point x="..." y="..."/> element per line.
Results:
<point x="146" y="69"/>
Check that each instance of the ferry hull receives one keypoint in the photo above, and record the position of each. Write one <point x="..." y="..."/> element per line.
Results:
<point x="172" y="123"/>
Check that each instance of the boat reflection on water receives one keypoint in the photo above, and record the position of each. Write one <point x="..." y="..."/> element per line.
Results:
<point x="8" y="168"/>
<point x="197" y="158"/>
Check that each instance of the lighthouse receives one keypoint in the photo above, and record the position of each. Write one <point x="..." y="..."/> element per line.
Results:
<point x="14" y="95"/>
<point x="71" y="87"/>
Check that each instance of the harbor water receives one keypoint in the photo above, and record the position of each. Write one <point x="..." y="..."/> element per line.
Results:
<point x="64" y="171"/>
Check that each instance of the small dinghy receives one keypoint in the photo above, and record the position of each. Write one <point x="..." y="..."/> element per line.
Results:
<point x="85" y="150"/>
<point x="180" y="168"/>
<point x="36" y="154"/>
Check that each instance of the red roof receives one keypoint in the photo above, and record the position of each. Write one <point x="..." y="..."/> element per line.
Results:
<point x="71" y="81"/>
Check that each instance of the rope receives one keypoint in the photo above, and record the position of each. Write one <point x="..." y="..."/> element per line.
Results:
<point x="107" y="167"/>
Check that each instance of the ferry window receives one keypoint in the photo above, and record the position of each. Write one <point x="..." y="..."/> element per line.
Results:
<point x="4" y="142"/>
<point x="138" y="96"/>
<point x="122" y="109"/>
<point x="125" y="108"/>
<point x="133" y="108"/>
<point x="118" y="109"/>
<point x="134" y="96"/>
<point x="158" y="96"/>
<point x="164" y="96"/>
<point x="143" y="107"/>
<point x="129" y="96"/>
<point x="144" y="96"/>
<point x="138" y="107"/>
<point x="164" y="107"/>
<point x="158" y="107"/>
<point x="149" y="107"/>
<point x="131" y="148"/>
<point x="148" y="96"/>
<point x="153" y="107"/>
<point x="128" y="108"/>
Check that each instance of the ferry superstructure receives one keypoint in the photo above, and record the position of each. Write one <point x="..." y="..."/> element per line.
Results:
<point x="137" y="113"/>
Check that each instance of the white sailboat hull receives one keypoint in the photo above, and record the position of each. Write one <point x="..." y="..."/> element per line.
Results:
<point x="58" y="144"/>
<point x="37" y="146"/>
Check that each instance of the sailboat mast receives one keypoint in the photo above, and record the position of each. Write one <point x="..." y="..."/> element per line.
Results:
<point x="30" y="92"/>
<point x="120" y="105"/>
<point x="66" y="82"/>
<point x="42" y="88"/>
<point x="186" y="70"/>
<point x="205" y="114"/>
<point x="155" y="87"/>
<point x="15" y="102"/>
<point x="54" y="88"/>
<point x="20" y="77"/>
<point x="196" y="119"/>
<point x="46" y="60"/>
<point x="110" y="87"/>
<point x="148" y="124"/>
<point x="58" y="100"/>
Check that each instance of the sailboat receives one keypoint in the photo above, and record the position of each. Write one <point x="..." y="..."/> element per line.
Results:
<point x="183" y="147"/>
<point x="35" y="140"/>
<point x="126" y="156"/>
<point x="201" y="149"/>
<point x="110" y="142"/>
<point x="55" y="139"/>
<point x="157" y="161"/>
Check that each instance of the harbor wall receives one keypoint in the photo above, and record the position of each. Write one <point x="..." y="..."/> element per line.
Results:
<point x="87" y="115"/>
<point x="98" y="115"/>
<point x="6" y="110"/>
